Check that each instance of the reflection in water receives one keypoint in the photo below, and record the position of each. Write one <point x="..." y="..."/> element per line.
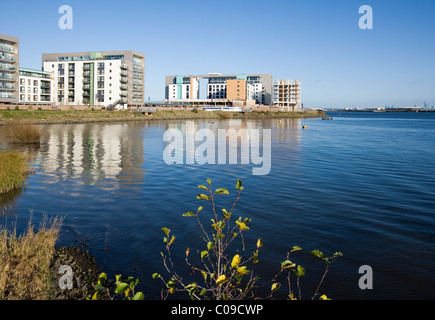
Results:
<point x="93" y="152"/>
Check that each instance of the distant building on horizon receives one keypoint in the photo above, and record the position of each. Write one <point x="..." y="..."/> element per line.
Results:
<point x="9" y="69"/>
<point x="106" y="78"/>
<point x="254" y="88"/>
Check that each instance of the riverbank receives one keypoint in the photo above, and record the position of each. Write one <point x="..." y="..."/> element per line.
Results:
<point x="72" y="117"/>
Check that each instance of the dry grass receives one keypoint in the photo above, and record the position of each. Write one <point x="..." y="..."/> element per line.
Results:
<point x="25" y="262"/>
<point x="23" y="132"/>
<point x="14" y="170"/>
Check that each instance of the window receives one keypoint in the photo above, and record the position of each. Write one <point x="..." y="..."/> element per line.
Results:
<point x="100" y="95"/>
<point x="61" y="69"/>
<point x="22" y="97"/>
<point x="22" y="81"/>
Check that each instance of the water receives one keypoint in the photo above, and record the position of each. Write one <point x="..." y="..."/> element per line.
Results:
<point x="362" y="184"/>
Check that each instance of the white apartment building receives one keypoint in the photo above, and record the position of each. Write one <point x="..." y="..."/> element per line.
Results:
<point x="183" y="88"/>
<point x="110" y="79"/>
<point x="36" y="87"/>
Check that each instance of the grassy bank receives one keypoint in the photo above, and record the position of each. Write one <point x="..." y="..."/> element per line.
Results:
<point x="25" y="262"/>
<point x="40" y="117"/>
<point x="13" y="171"/>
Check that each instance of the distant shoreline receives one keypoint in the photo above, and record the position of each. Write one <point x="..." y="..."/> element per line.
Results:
<point x="80" y="117"/>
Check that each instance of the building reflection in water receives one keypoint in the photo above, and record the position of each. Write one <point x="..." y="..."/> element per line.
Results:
<point x="92" y="151"/>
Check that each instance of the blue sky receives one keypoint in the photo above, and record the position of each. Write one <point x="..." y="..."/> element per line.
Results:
<point x="316" y="41"/>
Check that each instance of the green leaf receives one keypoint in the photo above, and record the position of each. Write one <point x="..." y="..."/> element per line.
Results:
<point x="121" y="287"/>
<point x="299" y="272"/>
<point x="166" y="231"/>
<point x="200" y="209"/>
<point x="204" y="254"/>
<point x="156" y="275"/>
<point x="209" y="182"/>
<point x="172" y="241"/>
<point x="203" y="292"/>
<point x="203" y="197"/>
<point x="239" y="185"/>
<point x="210" y="246"/>
<point x="318" y="254"/>
<point x="295" y="248"/>
<point x="222" y="191"/>
<point x="102" y="278"/>
<point x="260" y="243"/>
<point x="100" y="287"/>
<point x="275" y="287"/>
<point x="202" y="187"/>
<point x="96" y="296"/>
<point x="171" y="283"/>
<point x="226" y="213"/>
<point x="189" y="214"/>
<point x="139" y="296"/>
<point x="287" y="264"/>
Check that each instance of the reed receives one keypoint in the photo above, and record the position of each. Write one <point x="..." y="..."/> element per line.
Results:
<point x="23" y="132"/>
<point x="25" y="261"/>
<point x="14" y="170"/>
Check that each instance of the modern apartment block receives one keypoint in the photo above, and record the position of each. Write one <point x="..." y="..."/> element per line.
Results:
<point x="9" y="68"/>
<point x="107" y="78"/>
<point x="287" y="95"/>
<point x="258" y="88"/>
<point x="36" y="87"/>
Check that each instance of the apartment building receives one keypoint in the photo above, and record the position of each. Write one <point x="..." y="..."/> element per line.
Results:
<point x="221" y="87"/>
<point x="36" y="87"/>
<point x="108" y="78"/>
<point x="287" y="95"/>
<point x="9" y="69"/>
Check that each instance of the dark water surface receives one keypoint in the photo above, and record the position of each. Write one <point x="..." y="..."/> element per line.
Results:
<point x="362" y="184"/>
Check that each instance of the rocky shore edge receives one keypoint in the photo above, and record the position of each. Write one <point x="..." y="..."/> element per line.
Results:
<point x="85" y="272"/>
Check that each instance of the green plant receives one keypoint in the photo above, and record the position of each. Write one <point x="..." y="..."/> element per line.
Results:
<point x="226" y="273"/>
<point x="223" y="277"/>
<point x="123" y="288"/>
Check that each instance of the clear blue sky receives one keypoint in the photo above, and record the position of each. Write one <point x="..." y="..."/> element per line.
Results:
<point x="316" y="41"/>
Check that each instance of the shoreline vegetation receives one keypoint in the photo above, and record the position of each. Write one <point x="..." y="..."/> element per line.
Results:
<point x="78" y="117"/>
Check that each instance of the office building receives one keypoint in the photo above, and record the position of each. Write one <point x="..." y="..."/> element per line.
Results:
<point x="9" y="68"/>
<point x="287" y="95"/>
<point x="110" y="78"/>
<point x="36" y="87"/>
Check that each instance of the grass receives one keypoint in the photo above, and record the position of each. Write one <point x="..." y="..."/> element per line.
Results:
<point x="25" y="262"/>
<point x="40" y="117"/>
<point x="23" y="132"/>
<point x="14" y="170"/>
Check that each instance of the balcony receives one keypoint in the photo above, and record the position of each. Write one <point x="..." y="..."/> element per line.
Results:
<point x="45" y="85"/>
<point x="124" y="80"/>
<point x="124" y="87"/>
<point x="123" y="94"/>
<point x="124" y="74"/>
<point x="86" y="93"/>
<point x="7" y="77"/>
<point x="87" y="67"/>
<point x="124" y="66"/>
<point x="86" y="80"/>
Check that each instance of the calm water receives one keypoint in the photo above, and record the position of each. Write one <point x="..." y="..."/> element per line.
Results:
<point x="363" y="184"/>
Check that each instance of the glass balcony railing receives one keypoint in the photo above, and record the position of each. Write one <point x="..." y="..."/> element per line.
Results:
<point x="5" y="56"/>
<point x="8" y="48"/>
